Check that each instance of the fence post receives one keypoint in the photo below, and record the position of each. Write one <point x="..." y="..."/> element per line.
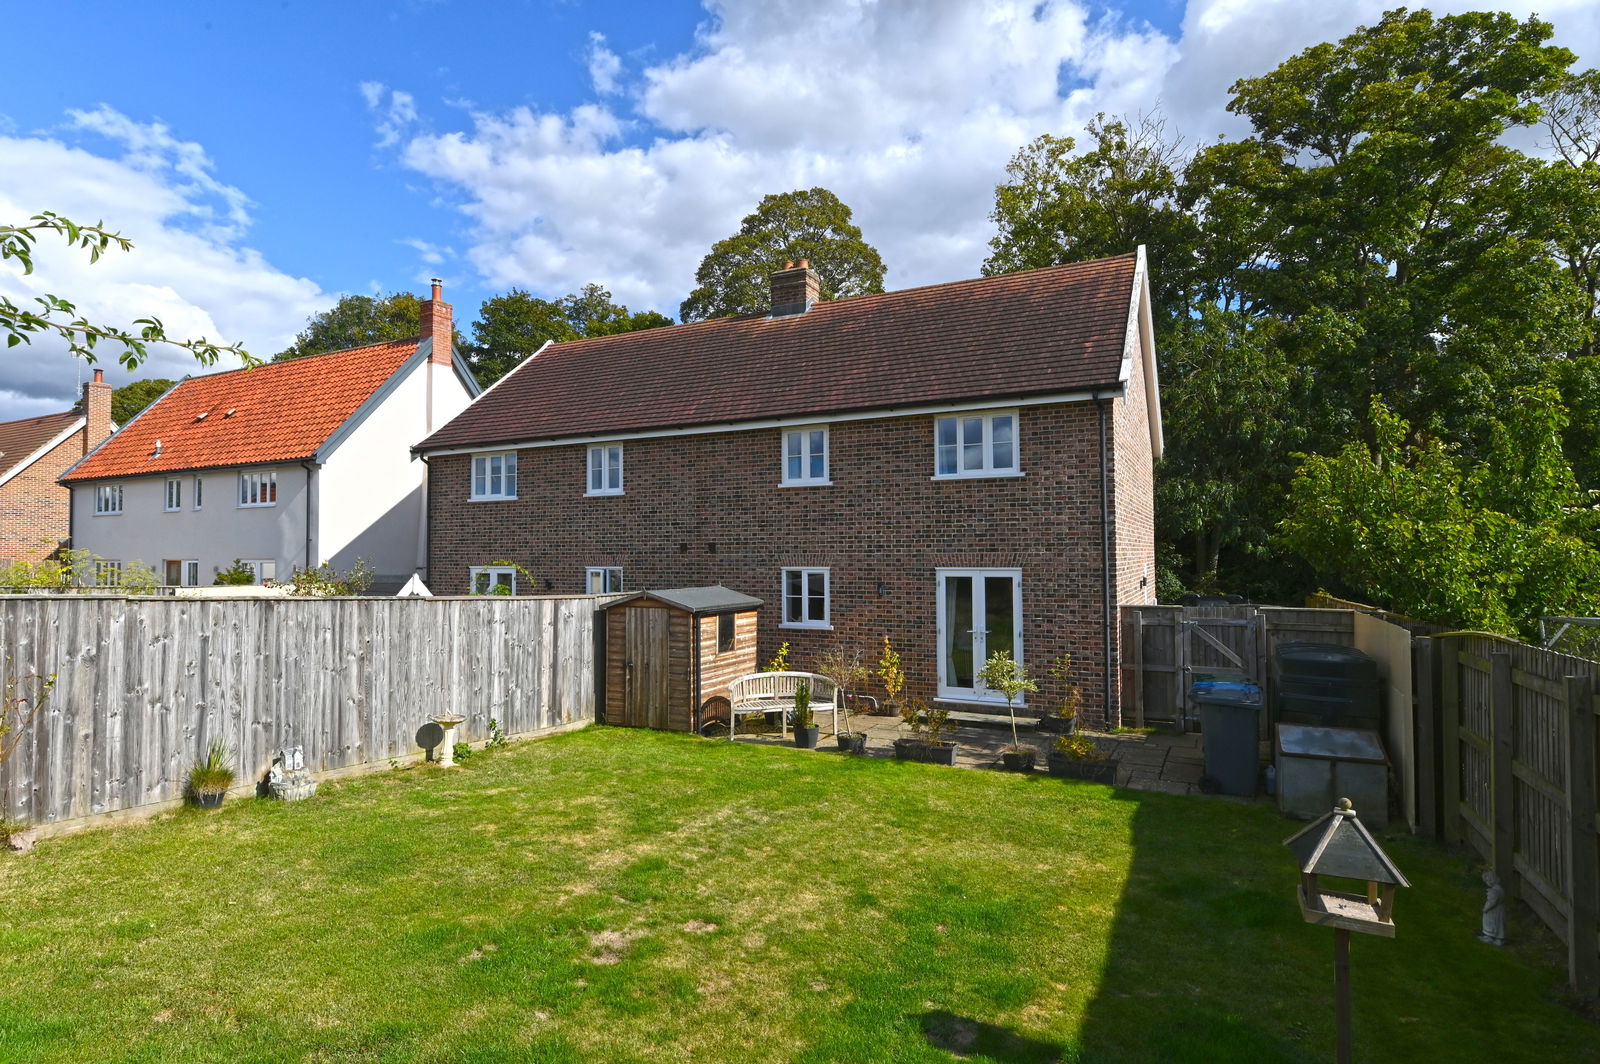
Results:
<point x="1425" y="679"/>
<point x="1583" y="845"/>
<point x="1449" y="653"/>
<point x="1501" y="749"/>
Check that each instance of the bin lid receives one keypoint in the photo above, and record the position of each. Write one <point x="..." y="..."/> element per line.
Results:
<point x="1331" y="744"/>
<point x="1226" y="693"/>
<point x="1202" y="686"/>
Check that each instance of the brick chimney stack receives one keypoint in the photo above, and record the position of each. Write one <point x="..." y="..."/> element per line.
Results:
<point x="794" y="288"/>
<point x="436" y="324"/>
<point x="97" y="408"/>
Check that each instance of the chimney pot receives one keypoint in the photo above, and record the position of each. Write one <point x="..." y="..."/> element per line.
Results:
<point x="96" y="410"/>
<point x="99" y="376"/>
<point x="804" y="264"/>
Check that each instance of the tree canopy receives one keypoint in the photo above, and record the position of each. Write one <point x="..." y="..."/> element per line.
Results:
<point x="735" y="277"/>
<point x="355" y="321"/>
<point x="512" y="326"/>
<point x="128" y="400"/>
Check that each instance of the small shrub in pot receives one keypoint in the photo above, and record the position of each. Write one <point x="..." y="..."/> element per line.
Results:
<point x="805" y="725"/>
<point x="212" y="775"/>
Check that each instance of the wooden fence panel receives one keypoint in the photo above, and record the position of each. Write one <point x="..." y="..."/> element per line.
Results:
<point x="144" y="684"/>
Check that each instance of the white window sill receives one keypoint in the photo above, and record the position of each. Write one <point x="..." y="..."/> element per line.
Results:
<point x="491" y="498"/>
<point x="110" y="513"/>
<point x="977" y="476"/>
<point x="256" y="505"/>
<point x="998" y="702"/>
<point x="601" y="494"/>
<point x="173" y="510"/>
<point x="805" y="484"/>
<point x="809" y="625"/>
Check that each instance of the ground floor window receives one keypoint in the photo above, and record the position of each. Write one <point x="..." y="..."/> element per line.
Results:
<point x="107" y="572"/>
<point x="805" y="598"/>
<point x="603" y="580"/>
<point x="980" y="612"/>
<point x="263" y="569"/>
<point x="182" y="573"/>
<point x="493" y="580"/>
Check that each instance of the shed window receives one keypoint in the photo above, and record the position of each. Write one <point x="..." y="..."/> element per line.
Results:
<point x="724" y="633"/>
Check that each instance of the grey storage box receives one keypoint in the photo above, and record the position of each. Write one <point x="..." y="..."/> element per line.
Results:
<point x="1318" y="766"/>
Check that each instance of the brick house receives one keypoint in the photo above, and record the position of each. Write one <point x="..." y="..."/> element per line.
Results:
<point x="280" y="465"/>
<point x="964" y="468"/>
<point x="34" y="508"/>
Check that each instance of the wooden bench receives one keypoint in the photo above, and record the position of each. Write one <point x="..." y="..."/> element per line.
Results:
<point x="773" y="692"/>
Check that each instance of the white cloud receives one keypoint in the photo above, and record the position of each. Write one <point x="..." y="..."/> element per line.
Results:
<point x="187" y="266"/>
<point x="908" y="109"/>
<point x="605" y="67"/>
<point x="393" y="111"/>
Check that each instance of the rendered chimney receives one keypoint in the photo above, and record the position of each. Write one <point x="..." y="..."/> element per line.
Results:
<point x="794" y="289"/>
<point x="97" y="408"/>
<point x="436" y="324"/>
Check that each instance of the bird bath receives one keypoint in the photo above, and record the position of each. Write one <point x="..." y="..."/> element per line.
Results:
<point x="447" y="745"/>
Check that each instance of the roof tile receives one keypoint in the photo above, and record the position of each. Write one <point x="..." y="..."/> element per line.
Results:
<point x="19" y="439"/>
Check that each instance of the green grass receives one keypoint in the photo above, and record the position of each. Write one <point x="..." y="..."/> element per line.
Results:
<point x="629" y="896"/>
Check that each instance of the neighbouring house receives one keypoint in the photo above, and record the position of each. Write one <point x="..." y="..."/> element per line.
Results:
<point x="34" y="507"/>
<point x="282" y="465"/>
<point x="964" y="467"/>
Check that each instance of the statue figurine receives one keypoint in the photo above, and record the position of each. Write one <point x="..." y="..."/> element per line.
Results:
<point x="1494" y="912"/>
<point x="297" y="759"/>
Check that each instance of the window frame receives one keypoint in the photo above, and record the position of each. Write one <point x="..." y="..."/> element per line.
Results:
<point x="507" y="477"/>
<point x="260" y="483"/>
<point x="802" y="433"/>
<point x="492" y="573"/>
<point x="172" y="497"/>
<point x="604" y="573"/>
<point x="191" y="572"/>
<point x="605" y="470"/>
<point x="988" y="469"/>
<point x="104" y="567"/>
<point x="806" y="574"/>
<point x="196" y="501"/>
<point x="727" y="632"/>
<point x="104" y="496"/>
<point x="258" y="564"/>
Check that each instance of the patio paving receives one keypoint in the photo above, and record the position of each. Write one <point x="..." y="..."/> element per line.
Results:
<point x="1161" y="761"/>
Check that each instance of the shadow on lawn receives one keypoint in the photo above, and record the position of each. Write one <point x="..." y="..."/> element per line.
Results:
<point x="962" y="1036"/>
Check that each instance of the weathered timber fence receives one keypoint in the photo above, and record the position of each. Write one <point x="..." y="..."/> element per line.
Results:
<point x="143" y="685"/>
<point x="1515" y="754"/>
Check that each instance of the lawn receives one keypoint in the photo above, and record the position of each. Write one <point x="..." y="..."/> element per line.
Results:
<point x="620" y="896"/>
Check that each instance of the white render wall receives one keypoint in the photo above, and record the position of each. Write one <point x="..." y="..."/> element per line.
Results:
<point x="371" y="492"/>
<point x="214" y="535"/>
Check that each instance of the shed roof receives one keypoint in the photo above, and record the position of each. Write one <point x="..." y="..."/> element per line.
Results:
<point x="1058" y="330"/>
<point x="713" y="599"/>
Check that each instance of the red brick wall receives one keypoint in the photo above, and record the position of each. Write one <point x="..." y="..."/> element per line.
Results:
<point x="34" y="508"/>
<point x="1133" y="500"/>
<point x="707" y="509"/>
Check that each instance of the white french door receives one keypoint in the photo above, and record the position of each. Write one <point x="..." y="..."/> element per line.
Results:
<point x="980" y="612"/>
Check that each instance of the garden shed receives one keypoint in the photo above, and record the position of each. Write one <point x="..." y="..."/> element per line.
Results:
<point x="670" y="655"/>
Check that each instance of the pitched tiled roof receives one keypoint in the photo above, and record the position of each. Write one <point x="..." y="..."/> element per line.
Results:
<point x="281" y="412"/>
<point x="19" y="439"/>
<point x="1059" y="329"/>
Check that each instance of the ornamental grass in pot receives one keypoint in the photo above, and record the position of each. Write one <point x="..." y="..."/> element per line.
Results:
<point x="212" y="775"/>
<point x="806" y="728"/>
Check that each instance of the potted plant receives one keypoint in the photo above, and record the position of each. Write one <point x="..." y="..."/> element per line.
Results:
<point x="926" y="743"/>
<point x="212" y="775"/>
<point x="1080" y="757"/>
<point x="1010" y="677"/>
<point x="1065" y="719"/>
<point x="846" y="672"/>
<point x="893" y="678"/>
<point x="806" y="728"/>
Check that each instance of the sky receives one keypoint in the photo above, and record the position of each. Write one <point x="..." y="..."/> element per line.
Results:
<point x="268" y="158"/>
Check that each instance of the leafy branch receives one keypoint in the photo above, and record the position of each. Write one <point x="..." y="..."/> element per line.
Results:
<point x="59" y="317"/>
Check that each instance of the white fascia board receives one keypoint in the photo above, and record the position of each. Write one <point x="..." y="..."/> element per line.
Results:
<point x="1152" y="381"/>
<point x="60" y="438"/>
<point x="997" y="403"/>
<point x="513" y="371"/>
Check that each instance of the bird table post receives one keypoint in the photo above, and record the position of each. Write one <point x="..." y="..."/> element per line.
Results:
<point x="1338" y="845"/>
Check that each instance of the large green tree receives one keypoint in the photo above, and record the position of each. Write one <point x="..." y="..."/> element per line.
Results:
<point x="128" y="400"/>
<point x="355" y="321"/>
<point x="512" y="326"/>
<point x="785" y="227"/>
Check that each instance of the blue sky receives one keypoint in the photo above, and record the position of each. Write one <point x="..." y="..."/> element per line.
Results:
<point x="266" y="158"/>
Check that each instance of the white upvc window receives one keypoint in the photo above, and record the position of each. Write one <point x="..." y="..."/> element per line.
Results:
<point x="191" y="574"/>
<point x="605" y="469"/>
<point x="196" y="500"/>
<point x="805" y="598"/>
<point x="263" y="569"/>
<point x="494" y="476"/>
<point x="805" y="455"/>
<point x="603" y="580"/>
<point x="976" y="445"/>
<point x="108" y="499"/>
<point x="493" y="580"/>
<point x="174" y="496"/>
<point x="107" y="572"/>
<point x="259" y="488"/>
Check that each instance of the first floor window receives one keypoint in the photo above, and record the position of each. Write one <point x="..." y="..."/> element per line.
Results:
<point x="108" y="499"/>
<point x="494" y="476"/>
<point x="197" y="493"/>
<point x="107" y="572"/>
<point x="603" y="580"/>
<point x="174" y="493"/>
<point x="493" y="580"/>
<point x="258" y="489"/>
<point x="605" y="469"/>
<point x="805" y="598"/>
<point x="975" y="445"/>
<point x="805" y="456"/>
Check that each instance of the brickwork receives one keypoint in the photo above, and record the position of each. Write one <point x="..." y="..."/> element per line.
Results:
<point x="1133" y="502"/>
<point x="34" y="508"/>
<point x="707" y="509"/>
